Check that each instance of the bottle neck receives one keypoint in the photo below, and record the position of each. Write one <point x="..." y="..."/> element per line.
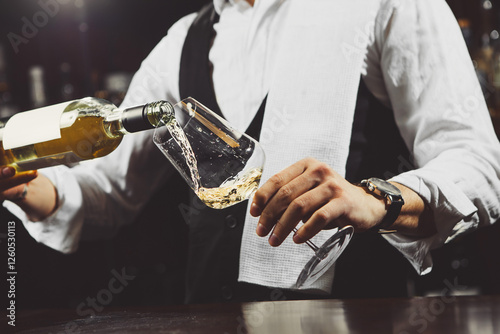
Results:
<point x="144" y="117"/>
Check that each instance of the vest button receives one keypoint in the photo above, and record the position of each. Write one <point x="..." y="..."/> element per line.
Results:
<point x="227" y="292"/>
<point x="231" y="221"/>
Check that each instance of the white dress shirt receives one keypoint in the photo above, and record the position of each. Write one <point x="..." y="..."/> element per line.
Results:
<point x="413" y="59"/>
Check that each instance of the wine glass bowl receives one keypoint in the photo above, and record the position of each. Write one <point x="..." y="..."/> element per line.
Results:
<point x="324" y="256"/>
<point x="221" y="165"/>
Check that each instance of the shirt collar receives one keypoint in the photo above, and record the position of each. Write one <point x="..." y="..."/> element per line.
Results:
<point x="219" y="4"/>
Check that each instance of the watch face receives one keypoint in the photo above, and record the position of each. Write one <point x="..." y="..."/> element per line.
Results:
<point x="385" y="187"/>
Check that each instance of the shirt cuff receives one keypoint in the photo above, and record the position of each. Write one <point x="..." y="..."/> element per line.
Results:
<point x="452" y="211"/>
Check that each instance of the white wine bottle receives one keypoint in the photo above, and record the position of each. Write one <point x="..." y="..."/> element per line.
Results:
<point x="70" y="132"/>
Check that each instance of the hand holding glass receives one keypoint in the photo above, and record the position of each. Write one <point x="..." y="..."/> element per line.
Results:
<point x="223" y="167"/>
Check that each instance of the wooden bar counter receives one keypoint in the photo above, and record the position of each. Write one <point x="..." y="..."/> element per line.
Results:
<point x="473" y="314"/>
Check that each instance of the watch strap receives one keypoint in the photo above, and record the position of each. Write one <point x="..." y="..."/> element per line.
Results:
<point x="392" y="214"/>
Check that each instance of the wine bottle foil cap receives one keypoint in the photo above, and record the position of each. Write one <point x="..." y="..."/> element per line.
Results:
<point x="146" y="116"/>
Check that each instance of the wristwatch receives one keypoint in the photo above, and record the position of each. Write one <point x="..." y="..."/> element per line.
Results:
<point x="394" y="200"/>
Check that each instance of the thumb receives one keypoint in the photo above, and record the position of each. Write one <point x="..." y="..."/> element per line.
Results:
<point x="15" y="193"/>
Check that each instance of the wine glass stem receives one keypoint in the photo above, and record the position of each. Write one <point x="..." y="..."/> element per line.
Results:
<point x="308" y="242"/>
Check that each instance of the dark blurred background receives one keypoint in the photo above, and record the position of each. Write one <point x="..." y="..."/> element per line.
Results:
<point x="92" y="48"/>
<point x="78" y="47"/>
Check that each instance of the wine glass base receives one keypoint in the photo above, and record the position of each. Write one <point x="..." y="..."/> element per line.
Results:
<point x="324" y="257"/>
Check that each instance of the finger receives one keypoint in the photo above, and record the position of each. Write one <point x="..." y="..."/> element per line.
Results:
<point x="7" y="172"/>
<point x="271" y="186"/>
<point x="328" y="214"/>
<point x="13" y="193"/>
<point x="18" y="179"/>
<point x="281" y="202"/>
<point x="300" y="208"/>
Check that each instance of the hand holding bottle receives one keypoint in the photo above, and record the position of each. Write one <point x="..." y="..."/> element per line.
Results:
<point x="38" y="199"/>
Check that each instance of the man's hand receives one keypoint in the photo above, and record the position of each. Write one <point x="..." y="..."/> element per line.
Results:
<point x="41" y="199"/>
<point x="12" y="185"/>
<point x="312" y="192"/>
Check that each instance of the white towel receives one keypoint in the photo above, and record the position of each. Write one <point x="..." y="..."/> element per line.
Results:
<point x="309" y="113"/>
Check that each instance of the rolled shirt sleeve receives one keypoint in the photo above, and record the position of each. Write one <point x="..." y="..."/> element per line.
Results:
<point x="443" y="118"/>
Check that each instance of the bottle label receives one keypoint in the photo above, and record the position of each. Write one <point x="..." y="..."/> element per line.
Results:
<point x="33" y="127"/>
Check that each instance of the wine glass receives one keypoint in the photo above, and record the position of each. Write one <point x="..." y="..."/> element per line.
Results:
<point x="224" y="166"/>
<point x="221" y="165"/>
